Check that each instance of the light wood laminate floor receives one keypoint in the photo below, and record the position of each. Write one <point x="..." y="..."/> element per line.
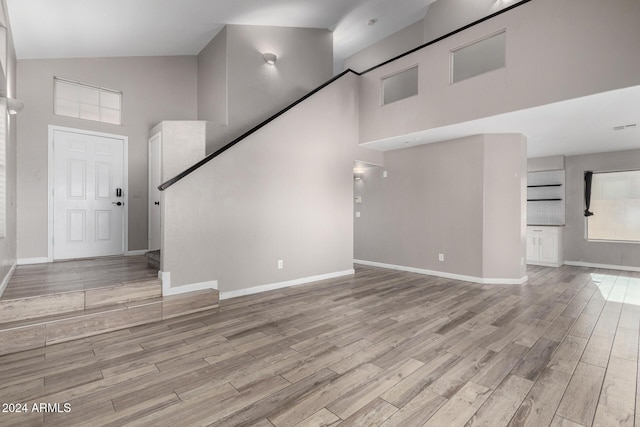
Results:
<point x="76" y="275"/>
<point x="382" y="348"/>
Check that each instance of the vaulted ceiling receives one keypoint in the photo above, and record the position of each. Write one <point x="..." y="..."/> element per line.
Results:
<point x="106" y="28"/>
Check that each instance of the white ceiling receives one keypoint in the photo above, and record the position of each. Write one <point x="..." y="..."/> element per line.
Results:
<point x="104" y="28"/>
<point x="107" y="28"/>
<point x="577" y="126"/>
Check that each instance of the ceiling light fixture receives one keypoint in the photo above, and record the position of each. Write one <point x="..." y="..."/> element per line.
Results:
<point x="270" y="58"/>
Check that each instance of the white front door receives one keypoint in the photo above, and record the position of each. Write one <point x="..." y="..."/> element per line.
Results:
<point x="88" y="197"/>
<point x="155" y="179"/>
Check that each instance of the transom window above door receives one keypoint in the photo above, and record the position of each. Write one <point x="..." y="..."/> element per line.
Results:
<point x="85" y="101"/>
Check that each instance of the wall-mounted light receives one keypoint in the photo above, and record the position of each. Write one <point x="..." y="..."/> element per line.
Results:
<point x="270" y="58"/>
<point x="14" y="106"/>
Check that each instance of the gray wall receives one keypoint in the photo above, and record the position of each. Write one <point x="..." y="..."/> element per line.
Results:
<point x="233" y="62"/>
<point x="462" y="198"/>
<point x="8" y="243"/>
<point x="504" y="230"/>
<point x="183" y="145"/>
<point x="212" y="80"/>
<point x="576" y="247"/>
<point x="586" y="47"/>
<point x="155" y="89"/>
<point x="283" y="193"/>
<point x="396" y="44"/>
<point x="444" y="16"/>
<point x="548" y="163"/>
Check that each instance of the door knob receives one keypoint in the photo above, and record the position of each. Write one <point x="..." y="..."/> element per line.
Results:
<point x="117" y="203"/>
<point x="156" y="203"/>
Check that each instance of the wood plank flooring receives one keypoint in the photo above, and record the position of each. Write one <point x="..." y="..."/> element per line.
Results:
<point x="382" y="348"/>
<point x="76" y="275"/>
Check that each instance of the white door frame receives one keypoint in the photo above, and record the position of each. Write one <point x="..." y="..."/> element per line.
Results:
<point x="125" y="142"/>
<point x="149" y="178"/>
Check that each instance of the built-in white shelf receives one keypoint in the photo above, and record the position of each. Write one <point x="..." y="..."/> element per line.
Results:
<point x="546" y="197"/>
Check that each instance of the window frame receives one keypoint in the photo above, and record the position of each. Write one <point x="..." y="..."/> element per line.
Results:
<point x="586" y="219"/>
<point x="452" y="52"/>
<point x="99" y="89"/>
<point x="394" y="74"/>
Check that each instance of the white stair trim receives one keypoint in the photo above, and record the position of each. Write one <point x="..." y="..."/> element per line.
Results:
<point x="136" y="252"/>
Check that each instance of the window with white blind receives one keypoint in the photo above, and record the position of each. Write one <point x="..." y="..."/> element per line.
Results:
<point x="84" y="101"/>
<point x="615" y="203"/>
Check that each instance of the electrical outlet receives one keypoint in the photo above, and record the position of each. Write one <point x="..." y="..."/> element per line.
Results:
<point x="357" y="214"/>
<point x="384" y="174"/>
<point x="440" y="257"/>
<point x="280" y="264"/>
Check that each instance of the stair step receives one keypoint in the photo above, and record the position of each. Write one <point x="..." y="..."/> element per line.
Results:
<point x="126" y="292"/>
<point x="17" y="309"/>
<point x="52" y="329"/>
<point x="153" y="258"/>
<point x="30" y="307"/>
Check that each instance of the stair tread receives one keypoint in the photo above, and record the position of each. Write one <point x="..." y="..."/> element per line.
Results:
<point x="51" y="304"/>
<point x="77" y="313"/>
<point x="70" y="291"/>
<point x="101" y="309"/>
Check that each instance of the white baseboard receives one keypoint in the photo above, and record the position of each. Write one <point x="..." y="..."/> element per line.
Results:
<point x="286" y="284"/>
<point x="29" y="261"/>
<point x="481" y="280"/>
<point x="546" y="264"/>
<point x="137" y="252"/>
<point x="167" y="290"/>
<point x="6" y="279"/>
<point x="605" y="266"/>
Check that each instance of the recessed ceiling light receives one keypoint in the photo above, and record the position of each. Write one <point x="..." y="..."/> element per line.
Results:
<point x="372" y="21"/>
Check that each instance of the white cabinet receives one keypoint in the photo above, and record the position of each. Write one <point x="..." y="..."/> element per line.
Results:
<point x="544" y="246"/>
